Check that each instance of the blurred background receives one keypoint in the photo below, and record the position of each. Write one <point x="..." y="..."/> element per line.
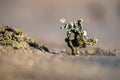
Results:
<point x="40" y="19"/>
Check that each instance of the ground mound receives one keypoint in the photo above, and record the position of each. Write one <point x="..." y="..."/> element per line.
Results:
<point x="15" y="39"/>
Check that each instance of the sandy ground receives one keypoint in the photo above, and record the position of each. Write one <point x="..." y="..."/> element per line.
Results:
<point x="45" y="66"/>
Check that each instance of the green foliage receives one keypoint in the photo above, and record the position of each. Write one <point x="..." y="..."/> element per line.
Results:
<point x="80" y="37"/>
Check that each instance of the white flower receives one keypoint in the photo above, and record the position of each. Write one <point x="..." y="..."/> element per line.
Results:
<point x="84" y="33"/>
<point x="62" y="20"/>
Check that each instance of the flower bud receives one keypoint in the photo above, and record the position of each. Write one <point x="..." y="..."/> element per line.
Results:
<point x="95" y="39"/>
<point x="84" y="33"/>
<point x="62" y="20"/>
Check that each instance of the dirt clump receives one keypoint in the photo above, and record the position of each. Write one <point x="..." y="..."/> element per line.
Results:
<point x="12" y="38"/>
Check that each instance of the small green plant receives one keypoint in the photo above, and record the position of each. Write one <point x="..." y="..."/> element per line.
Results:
<point x="80" y="39"/>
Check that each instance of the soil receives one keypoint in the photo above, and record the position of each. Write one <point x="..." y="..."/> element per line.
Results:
<point x="37" y="62"/>
<point x="46" y="66"/>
